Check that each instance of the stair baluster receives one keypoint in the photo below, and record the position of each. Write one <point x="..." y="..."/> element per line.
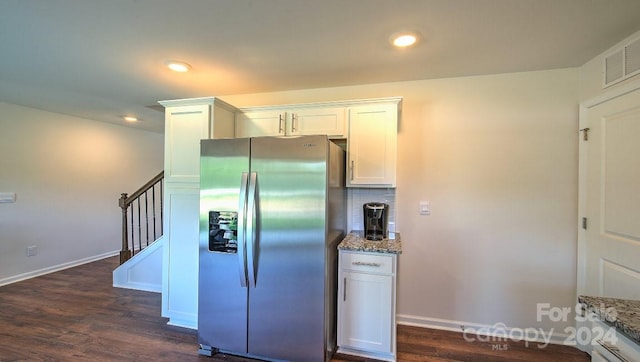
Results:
<point x="132" y="211"/>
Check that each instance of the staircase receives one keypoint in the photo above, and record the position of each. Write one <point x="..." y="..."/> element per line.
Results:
<point x="141" y="217"/>
<point x="141" y="253"/>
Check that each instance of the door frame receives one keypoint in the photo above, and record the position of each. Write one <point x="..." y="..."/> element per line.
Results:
<point x="583" y="172"/>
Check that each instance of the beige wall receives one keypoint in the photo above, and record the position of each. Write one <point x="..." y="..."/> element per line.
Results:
<point x="68" y="174"/>
<point x="497" y="157"/>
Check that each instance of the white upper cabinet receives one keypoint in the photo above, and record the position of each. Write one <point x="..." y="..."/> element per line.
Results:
<point x="369" y="125"/>
<point x="326" y="120"/>
<point x="260" y="123"/>
<point x="291" y="121"/>
<point x="187" y="121"/>
<point x="372" y="144"/>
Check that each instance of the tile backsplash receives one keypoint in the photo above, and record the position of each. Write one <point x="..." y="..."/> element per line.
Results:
<point x="356" y="197"/>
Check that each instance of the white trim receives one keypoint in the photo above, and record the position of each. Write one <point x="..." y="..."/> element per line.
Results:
<point x="433" y="323"/>
<point x="356" y="102"/>
<point x="611" y="93"/>
<point x="581" y="253"/>
<point x="368" y="355"/>
<point x="145" y="287"/>
<point x="183" y="320"/>
<point x="56" y="268"/>
<point x="210" y="101"/>
<point x="473" y="330"/>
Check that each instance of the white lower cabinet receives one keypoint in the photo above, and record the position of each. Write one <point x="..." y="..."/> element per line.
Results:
<point x="180" y="255"/>
<point x="609" y="344"/>
<point x="366" y="304"/>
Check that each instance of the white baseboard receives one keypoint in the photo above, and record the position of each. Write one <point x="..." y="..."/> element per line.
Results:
<point x="367" y="355"/>
<point x="185" y="321"/>
<point x="484" y="332"/>
<point x="55" y="268"/>
<point x="145" y="287"/>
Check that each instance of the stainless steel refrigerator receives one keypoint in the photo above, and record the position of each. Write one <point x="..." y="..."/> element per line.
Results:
<point x="272" y="211"/>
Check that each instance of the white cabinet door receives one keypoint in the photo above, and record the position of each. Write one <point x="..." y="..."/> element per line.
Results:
<point x="366" y="304"/>
<point x="187" y="121"/>
<point x="329" y="121"/>
<point x="180" y="257"/>
<point x="371" y="145"/>
<point x="260" y="123"/>
<point x="365" y="316"/>
<point x="295" y="121"/>
<point x="185" y="126"/>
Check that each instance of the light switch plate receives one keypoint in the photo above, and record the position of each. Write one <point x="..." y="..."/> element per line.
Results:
<point x="7" y="197"/>
<point x="425" y="208"/>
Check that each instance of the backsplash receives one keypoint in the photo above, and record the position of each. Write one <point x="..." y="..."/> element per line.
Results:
<point x="356" y="197"/>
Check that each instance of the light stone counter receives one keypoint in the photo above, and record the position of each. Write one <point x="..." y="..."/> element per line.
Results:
<point x="623" y="314"/>
<point x="355" y="241"/>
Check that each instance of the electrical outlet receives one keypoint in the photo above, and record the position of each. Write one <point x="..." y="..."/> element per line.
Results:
<point x="32" y="250"/>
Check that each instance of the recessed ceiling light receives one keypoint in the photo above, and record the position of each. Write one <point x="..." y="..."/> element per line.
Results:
<point x="130" y="118"/>
<point x="178" y="66"/>
<point x="403" y="40"/>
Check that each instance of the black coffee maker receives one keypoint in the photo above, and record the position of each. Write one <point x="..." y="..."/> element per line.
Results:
<point x="376" y="220"/>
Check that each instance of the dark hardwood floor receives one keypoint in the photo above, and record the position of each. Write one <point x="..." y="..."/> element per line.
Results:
<point x="76" y="315"/>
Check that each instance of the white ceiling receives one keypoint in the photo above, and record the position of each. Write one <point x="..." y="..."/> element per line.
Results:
<point x="100" y="59"/>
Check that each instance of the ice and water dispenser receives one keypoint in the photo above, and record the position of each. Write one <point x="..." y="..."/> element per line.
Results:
<point x="223" y="231"/>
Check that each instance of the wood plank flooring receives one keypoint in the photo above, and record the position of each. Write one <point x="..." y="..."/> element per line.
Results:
<point x="76" y="315"/>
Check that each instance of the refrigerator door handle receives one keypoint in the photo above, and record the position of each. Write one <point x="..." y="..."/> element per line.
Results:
<point x="252" y="194"/>
<point x="242" y="212"/>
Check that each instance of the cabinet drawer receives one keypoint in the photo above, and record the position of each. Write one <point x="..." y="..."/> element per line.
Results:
<point x="382" y="263"/>
<point x="611" y="345"/>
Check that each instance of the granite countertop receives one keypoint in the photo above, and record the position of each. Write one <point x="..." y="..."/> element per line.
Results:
<point x="623" y="314"/>
<point x="355" y="241"/>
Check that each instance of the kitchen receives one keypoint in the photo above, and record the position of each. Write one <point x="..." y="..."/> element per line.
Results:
<point x="286" y="232"/>
<point x="499" y="234"/>
<point x="531" y="298"/>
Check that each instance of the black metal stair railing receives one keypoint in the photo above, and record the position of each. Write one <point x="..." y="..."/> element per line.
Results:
<point x="141" y="217"/>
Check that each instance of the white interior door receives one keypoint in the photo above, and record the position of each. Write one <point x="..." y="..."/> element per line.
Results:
<point x="609" y="247"/>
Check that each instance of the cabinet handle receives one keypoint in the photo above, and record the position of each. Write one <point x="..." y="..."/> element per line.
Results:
<point x="363" y="263"/>
<point x="293" y="122"/>
<point x="344" y="289"/>
<point x="280" y="127"/>
<point x="612" y="349"/>
<point x="351" y="168"/>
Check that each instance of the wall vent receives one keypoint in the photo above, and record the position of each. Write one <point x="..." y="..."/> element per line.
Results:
<point x="622" y="63"/>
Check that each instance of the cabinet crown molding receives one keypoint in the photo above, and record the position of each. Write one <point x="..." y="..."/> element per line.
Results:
<point x="198" y="102"/>
<point x="347" y="103"/>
